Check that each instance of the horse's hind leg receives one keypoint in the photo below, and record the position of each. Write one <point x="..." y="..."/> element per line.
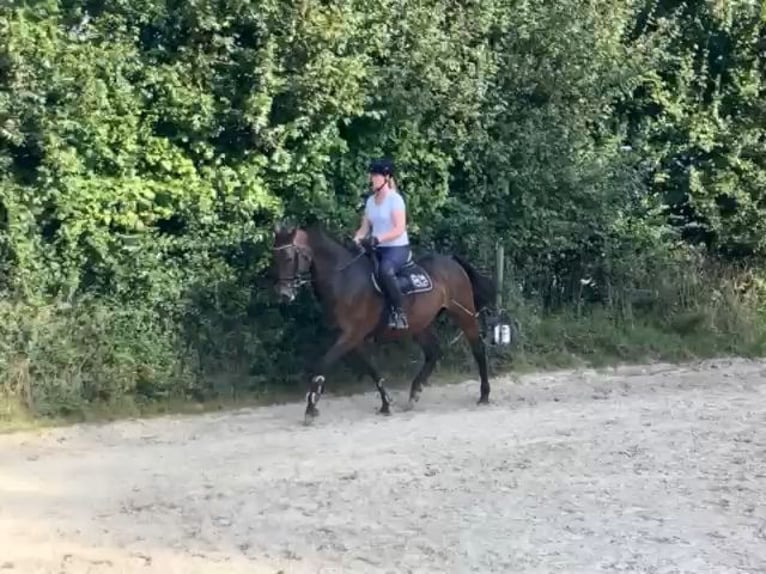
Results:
<point x="469" y="324"/>
<point x="429" y="342"/>
<point x="369" y="368"/>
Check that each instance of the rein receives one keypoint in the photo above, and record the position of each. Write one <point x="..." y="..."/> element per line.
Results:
<point x="300" y="279"/>
<point x="353" y="260"/>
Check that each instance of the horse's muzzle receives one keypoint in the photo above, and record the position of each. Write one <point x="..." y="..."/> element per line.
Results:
<point x="286" y="292"/>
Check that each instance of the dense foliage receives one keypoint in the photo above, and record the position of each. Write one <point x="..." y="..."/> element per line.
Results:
<point x="147" y="146"/>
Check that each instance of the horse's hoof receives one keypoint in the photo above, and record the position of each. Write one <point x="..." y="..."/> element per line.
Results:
<point x="483" y="400"/>
<point x="310" y="416"/>
<point x="384" y="411"/>
<point x="409" y="406"/>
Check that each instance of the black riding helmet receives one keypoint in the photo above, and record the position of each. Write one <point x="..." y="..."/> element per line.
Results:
<point x="382" y="166"/>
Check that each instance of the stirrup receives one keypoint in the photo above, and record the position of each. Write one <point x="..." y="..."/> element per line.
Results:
<point x="397" y="319"/>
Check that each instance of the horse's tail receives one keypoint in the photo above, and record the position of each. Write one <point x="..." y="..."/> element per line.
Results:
<point x="484" y="291"/>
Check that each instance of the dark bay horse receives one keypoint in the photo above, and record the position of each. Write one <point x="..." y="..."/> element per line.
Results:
<point x="343" y="282"/>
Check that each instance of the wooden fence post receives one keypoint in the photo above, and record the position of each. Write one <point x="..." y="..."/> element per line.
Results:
<point x="499" y="271"/>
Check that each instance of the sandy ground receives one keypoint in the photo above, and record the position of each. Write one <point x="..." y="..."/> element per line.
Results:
<point x="655" y="469"/>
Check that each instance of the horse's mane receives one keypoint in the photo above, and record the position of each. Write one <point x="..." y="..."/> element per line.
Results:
<point x="328" y="242"/>
<point x="333" y="259"/>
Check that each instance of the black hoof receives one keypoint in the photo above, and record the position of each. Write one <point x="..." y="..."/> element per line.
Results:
<point x="483" y="400"/>
<point x="385" y="411"/>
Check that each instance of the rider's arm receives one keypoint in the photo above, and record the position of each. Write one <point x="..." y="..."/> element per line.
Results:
<point x="364" y="229"/>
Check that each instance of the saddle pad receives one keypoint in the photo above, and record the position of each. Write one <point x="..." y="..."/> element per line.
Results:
<point x="412" y="279"/>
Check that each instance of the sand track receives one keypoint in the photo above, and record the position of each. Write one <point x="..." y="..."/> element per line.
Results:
<point x="656" y="469"/>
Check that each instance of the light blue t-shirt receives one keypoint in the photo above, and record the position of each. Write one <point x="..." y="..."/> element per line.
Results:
<point x="380" y="217"/>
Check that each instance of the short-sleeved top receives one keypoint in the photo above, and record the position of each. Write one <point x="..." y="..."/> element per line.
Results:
<point x="380" y="217"/>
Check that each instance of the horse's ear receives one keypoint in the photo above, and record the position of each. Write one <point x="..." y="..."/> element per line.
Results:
<point x="284" y="226"/>
<point x="289" y="226"/>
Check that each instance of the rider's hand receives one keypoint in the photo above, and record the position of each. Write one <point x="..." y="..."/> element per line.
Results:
<point x="370" y="242"/>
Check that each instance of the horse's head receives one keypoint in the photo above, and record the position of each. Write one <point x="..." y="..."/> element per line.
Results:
<point x="292" y="256"/>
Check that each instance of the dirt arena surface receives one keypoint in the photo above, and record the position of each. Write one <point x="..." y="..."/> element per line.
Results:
<point x="656" y="469"/>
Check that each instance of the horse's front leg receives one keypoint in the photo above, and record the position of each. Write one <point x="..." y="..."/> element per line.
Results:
<point x="342" y="345"/>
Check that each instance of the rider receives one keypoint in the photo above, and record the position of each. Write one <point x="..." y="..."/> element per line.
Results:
<point x="385" y="216"/>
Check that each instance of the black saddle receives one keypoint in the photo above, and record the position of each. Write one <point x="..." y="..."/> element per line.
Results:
<point x="412" y="279"/>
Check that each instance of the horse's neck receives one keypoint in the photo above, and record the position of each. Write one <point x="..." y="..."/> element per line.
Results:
<point x="329" y="257"/>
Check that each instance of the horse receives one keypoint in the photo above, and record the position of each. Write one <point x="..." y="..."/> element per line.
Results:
<point x="345" y="284"/>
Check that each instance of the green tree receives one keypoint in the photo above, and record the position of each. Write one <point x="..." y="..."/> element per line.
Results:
<point x="698" y="116"/>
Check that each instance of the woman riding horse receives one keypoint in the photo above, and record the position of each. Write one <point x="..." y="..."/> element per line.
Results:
<point x="384" y="231"/>
<point x="341" y="280"/>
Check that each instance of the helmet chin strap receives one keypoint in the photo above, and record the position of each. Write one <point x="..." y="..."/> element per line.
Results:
<point x="381" y="186"/>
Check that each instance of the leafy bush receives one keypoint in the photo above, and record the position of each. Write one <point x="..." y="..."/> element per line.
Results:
<point x="146" y="149"/>
<point x="59" y="358"/>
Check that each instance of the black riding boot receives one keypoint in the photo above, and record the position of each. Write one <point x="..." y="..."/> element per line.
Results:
<point x="397" y="318"/>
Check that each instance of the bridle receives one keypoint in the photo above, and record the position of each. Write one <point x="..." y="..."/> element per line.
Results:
<point x="300" y="277"/>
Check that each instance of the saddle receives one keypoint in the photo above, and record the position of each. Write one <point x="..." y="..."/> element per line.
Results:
<point x="412" y="279"/>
